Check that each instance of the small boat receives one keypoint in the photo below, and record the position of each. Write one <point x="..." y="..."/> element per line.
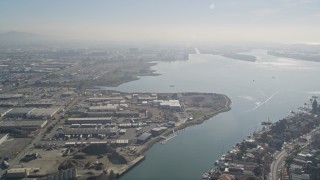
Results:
<point x="171" y="85"/>
<point x="266" y="123"/>
<point x="205" y="176"/>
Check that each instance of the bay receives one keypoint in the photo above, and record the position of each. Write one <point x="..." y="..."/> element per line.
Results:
<point x="269" y="88"/>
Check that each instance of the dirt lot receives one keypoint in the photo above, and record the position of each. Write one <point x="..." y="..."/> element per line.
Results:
<point x="12" y="146"/>
<point x="48" y="161"/>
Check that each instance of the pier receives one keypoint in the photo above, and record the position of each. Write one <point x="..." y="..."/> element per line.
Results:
<point x="165" y="139"/>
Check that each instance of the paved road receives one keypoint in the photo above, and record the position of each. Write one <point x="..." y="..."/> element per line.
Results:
<point x="280" y="157"/>
<point x="276" y="165"/>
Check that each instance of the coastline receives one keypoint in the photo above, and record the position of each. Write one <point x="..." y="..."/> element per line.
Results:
<point x="144" y="69"/>
<point x="185" y="125"/>
<point x="197" y="121"/>
<point x="267" y="156"/>
<point x="147" y="71"/>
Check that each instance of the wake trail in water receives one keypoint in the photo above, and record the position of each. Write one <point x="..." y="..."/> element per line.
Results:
<point x="264" y="102"/>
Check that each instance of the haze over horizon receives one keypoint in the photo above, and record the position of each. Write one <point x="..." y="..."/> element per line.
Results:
<point x="285" y="21"/>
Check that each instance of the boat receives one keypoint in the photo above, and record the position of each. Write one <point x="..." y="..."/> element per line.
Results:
<point x="264" y="123"/>
<point x="205" y="176"/>
<point x="171" y="85"/>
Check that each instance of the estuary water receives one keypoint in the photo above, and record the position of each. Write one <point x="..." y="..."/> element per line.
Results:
<point x="270" y="88"/>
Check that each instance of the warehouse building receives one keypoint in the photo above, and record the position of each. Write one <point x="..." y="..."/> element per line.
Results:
<point x="90" y="120"/>
<point x="42" y="113"/>
<point x="44" y="104"/>
<point x="3" y="112"/>
<point x="106" y="108"/>
<point x="86" y="132"/>
<point x="23" y="124"/>
<point x="144" y="138"/>
<point x="10" y="96"/>
<point x="157" y="131"/>
<point x="104" y="99"/>
<point x="127" y="114"/>
<point x="18" y="112"/>
<point x="171" y="104"/>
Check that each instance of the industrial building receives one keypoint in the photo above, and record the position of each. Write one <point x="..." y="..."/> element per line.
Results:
<point x="90" y="120"/>
<point x="104" y="99"/>
<point x="3" y="112"/>
<point x="144" y="138"/>
<point x="8" y="104"/>
<point x="86" y="132"/>
<point x="167" y="104"/>
<point x="23" y="124"/>
<point x="18" y="112"/>
<point x="10" y="96"/>
<point x="106" y="108"/>
<point x="130" y="114"/>
<point x="79" y="143"/>
<point x="146" y="98"/>
<point x="42" y="113"/>
<point x="157" y="131"/>
<point x="171" y="104"/>
<point x="45" y="104"/>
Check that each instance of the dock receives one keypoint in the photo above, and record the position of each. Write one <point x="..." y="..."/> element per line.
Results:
<point x="130" y="165"/>
<point x="166" y="139"/>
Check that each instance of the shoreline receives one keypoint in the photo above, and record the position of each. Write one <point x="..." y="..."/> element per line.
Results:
<point x="276" y="153"/>
<point x="144" y="71"/>
<point x="151" y="143"/>
<point x="197" y="121"/>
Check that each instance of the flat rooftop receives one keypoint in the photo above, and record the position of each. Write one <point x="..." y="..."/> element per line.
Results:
<point x="106" y="107"/>
<point x="22" y="123"/>
<point x="90" y="119"/>
<point x="43" y="111"/>
<point x="9" y="96"/>
<point x="19" y="111"/>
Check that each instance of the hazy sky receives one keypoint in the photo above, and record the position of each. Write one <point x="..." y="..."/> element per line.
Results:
<point x="187" y="20"/>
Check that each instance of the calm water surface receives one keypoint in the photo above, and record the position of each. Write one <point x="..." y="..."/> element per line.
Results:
<point x="270" y="87"/>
